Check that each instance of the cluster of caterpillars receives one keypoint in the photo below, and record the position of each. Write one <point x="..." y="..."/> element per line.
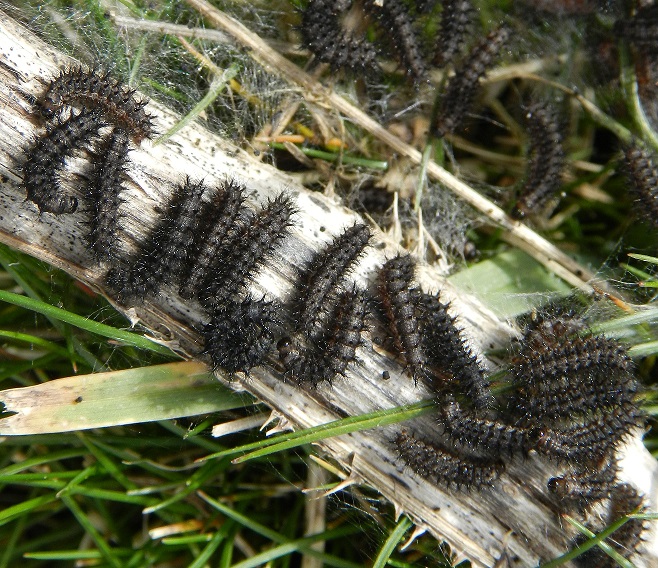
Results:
<point x="573" y="395"/>
<point x="573" y="400"/>
<point x="329" y="42"/>
<point x="324" y="34"/>
<point x="83" y="110"/>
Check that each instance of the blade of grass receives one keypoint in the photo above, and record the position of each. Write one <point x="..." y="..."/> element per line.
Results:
<point x="34" y="462"/>
<point x="335" y="428"/>
<point x="334" y="157"/>
<point x="107" y="463"/>
<point x="10" y="545"/>
<point x="644" y="349"/>
<point x="640" y="274"/>
<point x="73" y="554"/>
<point x="185" y="540"/>
<point x="183" y="434"/>
<point x="57" y="476"/>
<point x="12" y="262"/>
<point x="297" y="545"/>
<point x="645" y="257"/>
<point x="271" y="534"/>
<point x="209" y="550"/>
<point x="594" y="540"/>
<point x="37" y="341"/>
<point x="217" y="86"/>
<point x="391" y="542"/>
<point x="84" y="323"/>
<point x="105" y="550"/>
<point x="109" y="495"/>
<point x="13" y="368"/>
<point x="192" y="484"/>
<point x="131" y="396"/>
<point x="225" y="560"/>
<point x="25" y="508"/>
<point x="645" y="316"/>
<point x="644" y="516"/>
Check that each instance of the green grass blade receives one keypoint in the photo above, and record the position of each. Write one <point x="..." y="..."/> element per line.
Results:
<point x="40" y="460"/>
<point x="84" y="323"/>
<point x="346" y="159"/>
<point x="335" y="428"/>
<point x="391" y="542"/>
<point x="298" y="545"/>
<point x="645" y="257"/>
<point x="69" y="555"/>
<point x="108" y="554"/>
<point x="594" y="540"/>
<point x="648" y="315"/>
<point x="209" y="550"/>
<point x="36" y="341"/>
<point x="11" y="542"/>
<point x="15" y="368"/>
<point x="25" y="508"/>
<point x="107" y="464"/>
<point x="644" y="349"/>
<point x="271" y="534"/>
<point x="217" y="86"/>
<point x="15" y="265"/>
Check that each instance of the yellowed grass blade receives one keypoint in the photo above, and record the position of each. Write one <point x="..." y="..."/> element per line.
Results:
<point x="146" y="394"/>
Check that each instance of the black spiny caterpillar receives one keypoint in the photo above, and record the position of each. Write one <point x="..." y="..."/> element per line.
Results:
<point x="395" y="20"/>
<point x="319" y="281"/>
<point x="330" y="356"/>
<point x="324" y="37"/>
<point x="580" y="488"/>
<point x="561" y="377"/>
<point x="437" y="464"/>
<point x="243" y="250"/>
<point x="643" y="180"/>
<point x="313" y="354"/>
<point x="589" y="441"/>
<point x="545" y="161"/>
<point x="398" y="298"/>
<point x="96" y="89"/>
<point x="426" y="336"/>
<point x="458" y="97"/>
<point x="103" y="196"/>
<point x="483" y="434"/>
<point x="46" y="158"/>
<point x="163" y="257"/>
<point x="345" y="333"/>
<point x="447" y="351"/>
<point x="456" y="24"/>
<point x="240" y="334"/>
<point x="224" y="212"/>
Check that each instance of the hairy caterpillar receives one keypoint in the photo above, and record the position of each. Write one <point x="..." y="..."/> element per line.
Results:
<point x="96" y="89"/>
<point x="46" y="158"/>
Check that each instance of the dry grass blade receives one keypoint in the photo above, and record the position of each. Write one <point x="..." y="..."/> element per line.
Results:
<point x="120" y="397"/>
